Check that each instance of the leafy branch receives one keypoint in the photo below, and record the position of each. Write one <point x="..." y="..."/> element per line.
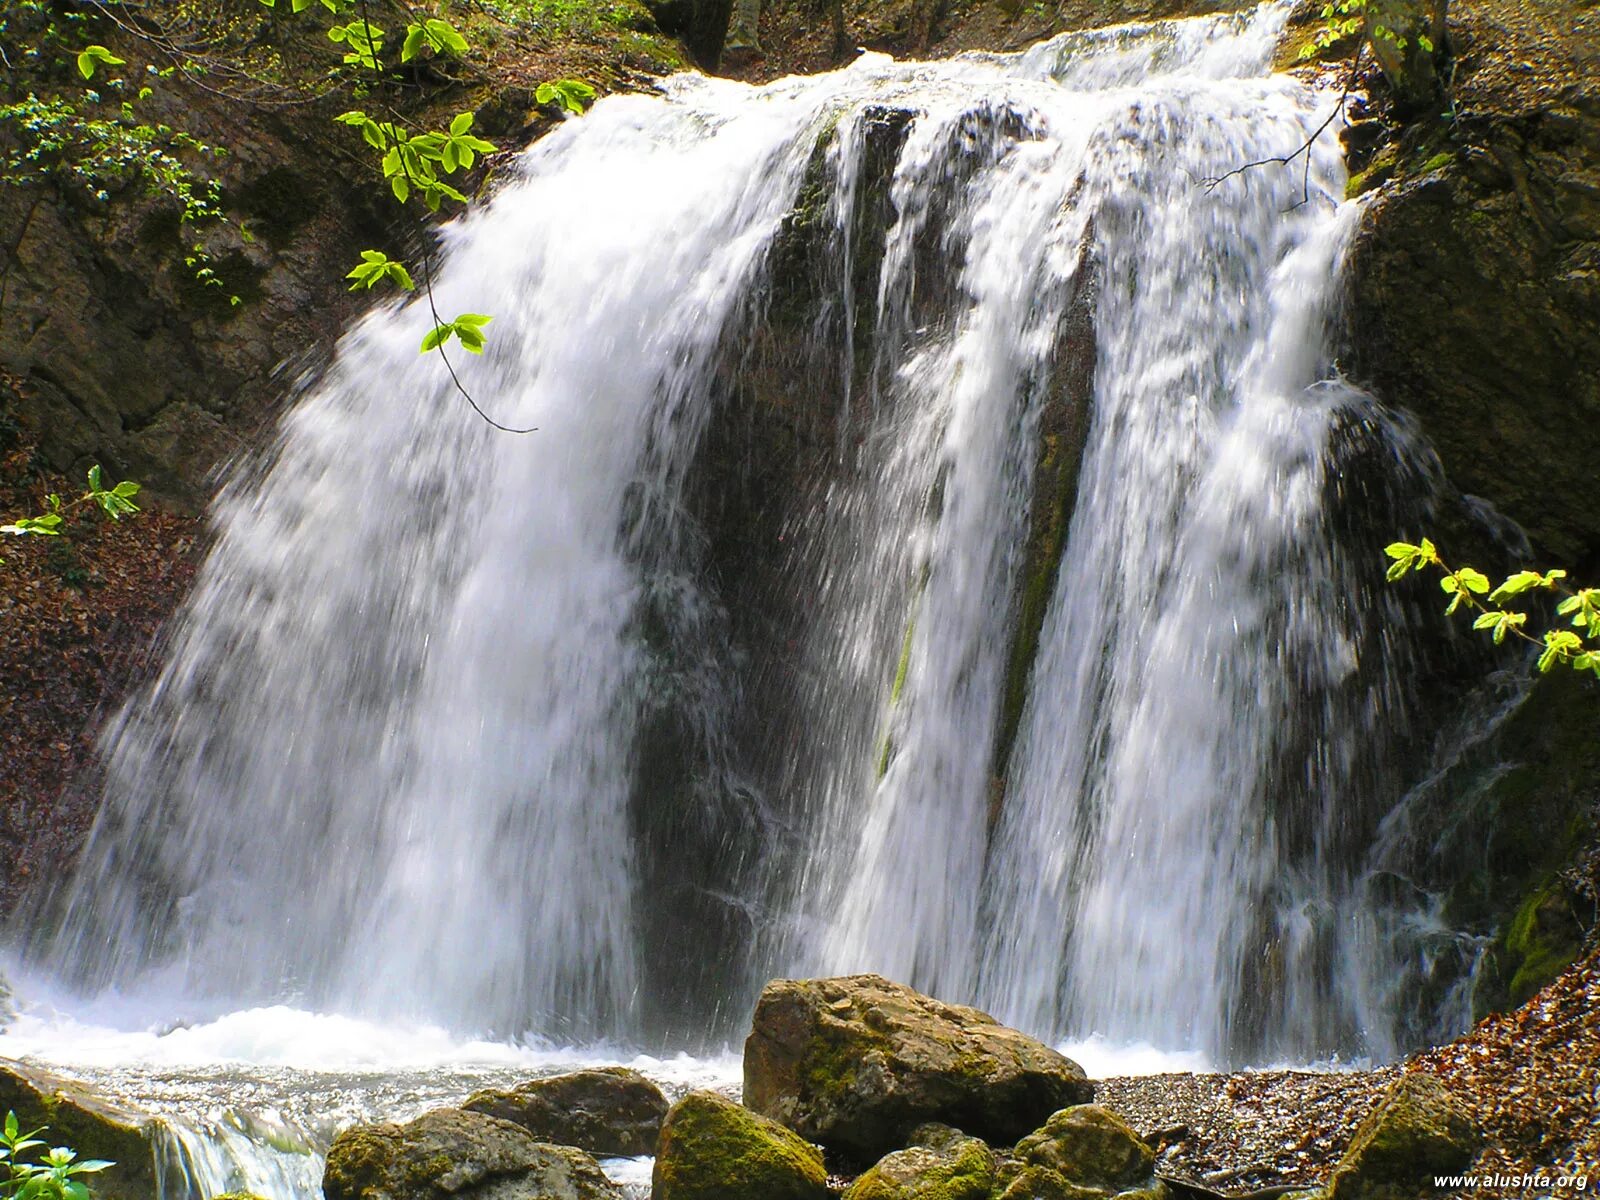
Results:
<point x="1577" y="646"/>
<point x="115" y="502"/>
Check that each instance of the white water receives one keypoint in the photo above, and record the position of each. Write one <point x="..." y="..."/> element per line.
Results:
<point x="375" y="830"/>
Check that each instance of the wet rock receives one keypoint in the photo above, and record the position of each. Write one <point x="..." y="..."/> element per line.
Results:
<point x="953" y="1168"/>
<point x="714" y="1149"/>
<point x="609" y="1111"/>
<point x="451" y="1152"/>
<point x="858" y="1063"/>
<point x="1417" y="1131"/>
<point x="73" y="1116"/>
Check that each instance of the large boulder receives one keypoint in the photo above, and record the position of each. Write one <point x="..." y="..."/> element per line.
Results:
<point x="451" y="1152"/>
<point x="714" y="1149"/>
<point x="858" y="1063"/>
<point x="73" y="1116"/>
<point x="941" y="1168"/>
<point x="606" y="1111"/>
<point x="1417" y="1131"/>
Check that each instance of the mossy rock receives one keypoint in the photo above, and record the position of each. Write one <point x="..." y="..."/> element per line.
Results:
<point x="714" y="1149"/>
<point x="451" y="1152"/>
<point x="1417" y="1131"/>
<point x="73" y="1116"/>
<point x="607" y="1111"/>
<point x="858" y="1063"/>
<point x="957" y="1168"/>
<point x="1090" y="1147"/>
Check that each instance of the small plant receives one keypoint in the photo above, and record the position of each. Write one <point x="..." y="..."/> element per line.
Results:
<point x="115" y="501"/>
<point x="54" y="1175"/>
<point x="1577" y="646"/>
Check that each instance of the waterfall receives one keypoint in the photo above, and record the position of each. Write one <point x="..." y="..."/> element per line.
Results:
<point x="929" y="559"/>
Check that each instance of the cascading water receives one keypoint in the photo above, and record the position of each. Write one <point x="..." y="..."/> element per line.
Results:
<point x="1047" y="681"/>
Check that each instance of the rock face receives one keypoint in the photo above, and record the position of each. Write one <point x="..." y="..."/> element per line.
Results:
<point x="94" y="1128"/>
<point x="714" y="1149"/>
<point x="951" y="1168"/>
<point x="858" y="1063"/>
<point x="609" y="1111"/>
<point x="450" y="1152"/>
<point x="1475" y="286"/>
<point x="1416" y="1132"/>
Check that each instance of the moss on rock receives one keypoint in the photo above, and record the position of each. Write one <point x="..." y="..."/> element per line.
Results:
<point x="1090" y="1147"/>
<point x="858" y="1063"/>
<point x="714" y="1149"/>
<point x="1417" y="1131"/>
<point x="957" y="1168"/>
<point x="451" y="1152"/>
<point x="611" y="1110"/>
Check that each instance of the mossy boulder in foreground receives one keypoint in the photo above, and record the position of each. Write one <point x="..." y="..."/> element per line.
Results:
<point x="450" y="1152"/>
<point x="1417" y="1131"/>
<point x="954" y="1167"/>
<point x="1092" y="1149"/>
<point x="94" y="1127"/>
<point x="606" y="1111"/>
<point x="714" y="1149"/>
<point x="858" y="1063"/>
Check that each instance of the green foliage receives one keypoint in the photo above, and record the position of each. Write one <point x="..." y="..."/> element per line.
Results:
<point x="95" y="139"/>
<point x="115" y="502"/>
<point x="571" y="94"/>
<point x="467" y="328"/>
<point x="1345" y="18"/>
<point x="92" y="56"/>
<point x="377" y="267"/>
<point x="53" y="1175"/>
<point x="1577" y="646"/>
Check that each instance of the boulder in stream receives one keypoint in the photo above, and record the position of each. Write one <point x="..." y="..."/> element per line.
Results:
<point x="606" y="1111"/>
<point x="858" y="1063"/>
<point x="453" y="1153"/>
<point x="714" y="1149"/>
<point x="1417" y="1131"/>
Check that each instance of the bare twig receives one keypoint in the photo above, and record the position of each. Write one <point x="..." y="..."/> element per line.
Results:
<point x="1212" y="183"/>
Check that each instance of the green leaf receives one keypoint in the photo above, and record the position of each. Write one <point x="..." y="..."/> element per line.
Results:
<point x="47" y="526"/>
<point x="1516" y="584"/>
<point x="94" y="478"/>
<point x="436" y="337"/>
<point x="460" y="124"/>
<point x="92" y="56"/>
<point x="401" y="189"/>
<point x="416" y="38"/>
<point x="1559" y="644"/>
<point x="1473" y="581"/>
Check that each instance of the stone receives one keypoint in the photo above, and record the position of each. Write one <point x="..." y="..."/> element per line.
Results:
<point x="1417" y="1131"/>
<point x="608" y="1111"/>
<point x="858" y="1063"/>
<point x="954" y="1168"/>
<point x="714" y="1149"/>
<point x="71" y="1115"/>
<point x="1091" y="1147"/>
<point x="452" y="1152"/>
